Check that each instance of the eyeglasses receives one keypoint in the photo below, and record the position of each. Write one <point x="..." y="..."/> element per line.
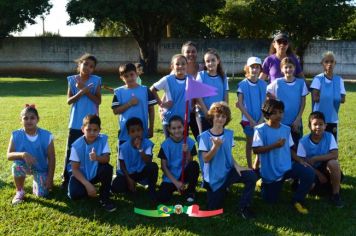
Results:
<point x="285" y="42"/>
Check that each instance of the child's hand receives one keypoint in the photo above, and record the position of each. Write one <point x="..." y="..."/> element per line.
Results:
<point x="310" y="161"/>
<point x="280" y="143"/>
<point x="216" y="141"/>
<point x="179" y="185"/>
<point x="92" y="155"/>
<point x="131" y="184"/>
<point x="30" y="160"/>
<point x="296" y="125"/>
<point x="167" y="104"/>
<point x="134" y="101"/>
<point x="91" y="190"/>
<point x="87" y="88"/>
<point x="79" y="84"/>
<point x="137" y="143"/>
<point x="185" y="147"/>
<point x="49" y="184"/>
<point x="252" y="123"/>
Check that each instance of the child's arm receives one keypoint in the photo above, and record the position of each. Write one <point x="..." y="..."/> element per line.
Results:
<point x="130" y="182"/>
<point x="316" y="95"/>
<point x="166" y="171"/>
<point x="239" y="168"/>
<point x="207" y="156"/>
<point x="80" y="177"/>
<point x="240" y="105"/>
<point x="151" y="119"/>
<point x="137" y="143"/>
<point x="96" y="98"/>
<point x="298" y="159"/>
<point x="297" y="122"/>
<point x="12" y="155"/>
<point x="332" y="155"/>
<point x="166" y="104"/>
<point x="83" y="91"/>
<point x="202" y="106"/>
<point x="125" y="106"/>
<point x="103" y="159"/>
<point x="51" y="165"/>
<point x="263" y="149"/>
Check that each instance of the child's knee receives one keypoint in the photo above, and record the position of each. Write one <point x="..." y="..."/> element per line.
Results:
<point x="20" y="169"/>
<point x="39" y="185"/>
<point x="333" y="165"/>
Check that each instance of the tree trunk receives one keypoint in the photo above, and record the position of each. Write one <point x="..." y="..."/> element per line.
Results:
<point x="149" y="55"/>
<point x="300" y="51"/>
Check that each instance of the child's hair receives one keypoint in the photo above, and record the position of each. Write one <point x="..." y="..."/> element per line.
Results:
<point x="270" y="105"/>
<point x="85" y="57"/>
<point x="316" y="115"/>
<point x="123" y="69"/>
<point x="29" y="108"/>
<point x="219" y="70"/>
<point x="132" y="122"/>
<point x="326" y="55"/>
<point x="287" y="60"/>
<point x="91" y="119"/>
<point x="138" y="65"/>
<point x="175" y="118"/>
<point x="251" y="61"/>
<point x="176" y="56"/>
<point x="219" y="108"/>
<point x="187" y="44"/>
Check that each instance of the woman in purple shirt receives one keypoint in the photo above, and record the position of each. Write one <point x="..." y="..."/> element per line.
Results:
<point x="280" y="48"/>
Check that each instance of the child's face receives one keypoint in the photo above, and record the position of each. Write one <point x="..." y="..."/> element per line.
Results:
<point x="219" y="119"/>
<point x="317" y="126"/>
<point x="255" y="70"/>
<point x="129" y="77"/>
<point x="329" y="63"/>
<point x="91" y="132"/>
<point x="288" y="70"/>
<point x="176" y="129"/>
<point x="276" y="116"/>
<point x="190" y="52"/>
<point x="86" y="67"/>
<point x="29" y="121"/>
<point x="179" y="66"/>
<point x="135" y="132"/>
<point x="139" y="70"/>
<point x="211" y="62"/>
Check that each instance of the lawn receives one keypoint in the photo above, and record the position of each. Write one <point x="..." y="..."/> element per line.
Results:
<point x="60" y="216"/>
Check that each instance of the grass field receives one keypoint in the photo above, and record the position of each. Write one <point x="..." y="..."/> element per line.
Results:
<point x="60" y="216"/>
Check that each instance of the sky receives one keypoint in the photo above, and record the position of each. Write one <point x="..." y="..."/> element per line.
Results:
<point x="56" y="22"/>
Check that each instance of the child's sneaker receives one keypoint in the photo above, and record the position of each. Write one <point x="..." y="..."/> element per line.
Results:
<point x="19" y="197"/>
<point x="190" y="197"/>
<point x="108" y="206"/>
<point x="336" y="200"/>
<point x="247" y="213"/>
<point x="300" y="208"/>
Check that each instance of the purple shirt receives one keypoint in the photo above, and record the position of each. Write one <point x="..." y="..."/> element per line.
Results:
<point x="272" y="67"/>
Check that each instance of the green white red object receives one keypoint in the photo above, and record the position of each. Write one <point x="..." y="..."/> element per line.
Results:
<point x="166" y="211"/>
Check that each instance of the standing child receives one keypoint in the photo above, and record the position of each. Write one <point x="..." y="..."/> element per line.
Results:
<point x="171" y="163"/>
<point x="84" y="94"/>
<point x="272" y="142"/>
<point x="90" y="157"/>
<point x="174" y="88"/>
<point x="139" y="70"/>
<point x="135" y="161"/>
<point x="133" y="100"/>
<point x="328" y="93"/>
<point x="213" y="75"/>
<point x="320" y="150"/>
<point x="32" y="151"/>
<point x="219" y="168"/>
<point x="292" y="92"/>
<point x="251" y="94"/>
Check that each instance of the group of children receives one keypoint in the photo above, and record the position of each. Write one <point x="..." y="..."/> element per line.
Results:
<point x="271" y="121"/>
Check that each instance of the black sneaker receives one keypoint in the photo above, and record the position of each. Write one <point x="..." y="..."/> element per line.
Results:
<point x="247" y="213"/>
<point x="336" y="201"/>
<point x="108" y="206"/>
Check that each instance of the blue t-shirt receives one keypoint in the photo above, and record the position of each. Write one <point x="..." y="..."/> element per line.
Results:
<point x="84" y="105"/>
<point x="38" y="149"/>
<point x="172" y="151"/>
<point x="132" y="157"/>
<point x="88" y="167"/>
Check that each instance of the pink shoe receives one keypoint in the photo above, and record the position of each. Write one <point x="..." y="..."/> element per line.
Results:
<point x="19" y="197"/>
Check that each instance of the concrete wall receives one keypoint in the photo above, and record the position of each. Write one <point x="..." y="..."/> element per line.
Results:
<point x="33" y="55"/>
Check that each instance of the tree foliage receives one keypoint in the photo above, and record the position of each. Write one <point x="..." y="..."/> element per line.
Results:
<point x="348" y="30"/>
<point x="146" y="20"/>
<point x="15" y="14"/>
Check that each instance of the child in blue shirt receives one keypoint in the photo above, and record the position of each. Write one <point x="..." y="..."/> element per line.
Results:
<point x="273" y="143"/>
<point x="90" y="157"/>
<point x="32" y="151"/>
<point x="219" y="168"/>
<point x="171" y="163"/>
<point x="84" y="94"/>
<point x="292" y="92"/>
<point x="328" y="92"/>
<point x="133" y="100"/>
<point x="320" y="150"/>
<point x="135" y="161"/>
<point x="251" y="94"/>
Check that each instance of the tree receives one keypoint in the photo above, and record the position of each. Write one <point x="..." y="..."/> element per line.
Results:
<point x="15" y="14"/>
<point x="146" y="20"/>
<point x="348" y="31"/>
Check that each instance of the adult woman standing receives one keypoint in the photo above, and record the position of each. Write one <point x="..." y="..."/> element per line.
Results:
<point x="279" y="49"/>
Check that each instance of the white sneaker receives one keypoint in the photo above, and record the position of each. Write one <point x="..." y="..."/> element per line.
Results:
<point x="19" y="197"/>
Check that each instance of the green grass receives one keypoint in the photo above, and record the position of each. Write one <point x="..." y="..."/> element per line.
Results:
<point x="60" y="216"/>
